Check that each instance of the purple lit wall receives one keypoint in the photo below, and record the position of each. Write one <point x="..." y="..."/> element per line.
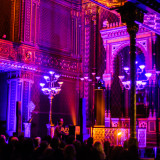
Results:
<point x="55" y="26"/>
<point x="116" y="91"/>
<point x="3" y="96"/>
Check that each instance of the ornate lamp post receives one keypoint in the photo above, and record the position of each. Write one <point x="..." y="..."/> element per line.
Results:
<point x="53" y="88"/>
<point x="130" y="14"/>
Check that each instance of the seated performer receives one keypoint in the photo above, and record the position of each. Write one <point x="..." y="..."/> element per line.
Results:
<point x="59" y="130"/>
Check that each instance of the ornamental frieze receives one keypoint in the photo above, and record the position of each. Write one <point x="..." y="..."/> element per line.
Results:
<point x="25" y="75"/>
<point x="31" y="56"/>
<point x="108" y="33"/>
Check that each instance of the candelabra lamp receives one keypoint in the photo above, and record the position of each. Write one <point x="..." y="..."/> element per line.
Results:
<point x="52" y="87"/>
<point x="142" y="78"/>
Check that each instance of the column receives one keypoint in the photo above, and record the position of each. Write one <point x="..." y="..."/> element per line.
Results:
<point x="130" y="14"/>
<point x="19" y="91"/>
<point x="126" y="97"/>
<point x="146" y="102"/>
<point x="93" y="99"/>
<point x="156" y="113"/>
<point x="50" y="125"/>
<point x="30" y="22"/>
<point x="89" y="46"/>
<point x="108" y="100"/>
<point x="154" y="91"/>
<point x="123" y="103"/>
<point x="94" y="48"/>
<point x="86" y="61"/>
<point x="107" y="80"/>
<point x="15" y="20"/>
<point x="13" y="96"/>
<point x="132" y="30"/>
<point x="150" y="98"/>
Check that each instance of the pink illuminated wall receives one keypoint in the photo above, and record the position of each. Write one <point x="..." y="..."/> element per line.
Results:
<point x="55" y="26"/>
<point x="48" y="36"/>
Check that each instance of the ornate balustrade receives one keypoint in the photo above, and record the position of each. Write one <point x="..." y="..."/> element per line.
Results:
<point x="116" y="136"/>
<point x="120" y="131"/>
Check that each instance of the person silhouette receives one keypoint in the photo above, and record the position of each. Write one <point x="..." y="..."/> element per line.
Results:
<point x="59" y="130"/>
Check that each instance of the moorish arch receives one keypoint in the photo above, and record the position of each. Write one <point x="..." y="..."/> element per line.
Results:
<point x="140" y="45"/>
<point x="116" y="38"/>
<point x="121" y="60"/>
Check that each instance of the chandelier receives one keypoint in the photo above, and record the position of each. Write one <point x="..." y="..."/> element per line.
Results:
<point x="142" y="77"/>
<point x="51" y="88"/>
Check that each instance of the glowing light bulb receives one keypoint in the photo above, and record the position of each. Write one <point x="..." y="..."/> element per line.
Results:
<point x="42" y="84"/>
<point x="119" y="133"/>
<point x="142" y="67"/>
<point x="86" y="77"/>
<point x="126" y="68"/>
<point x="51" y="72"/>
<point x="46" y="77"/>
<point x="57" y="76"/>
<point x="82" y="79"/>
<point x="98" y="78"/>
<point x="60" y="83"/>
<point x="148" y="75"/>
<point x="121" y="77"/>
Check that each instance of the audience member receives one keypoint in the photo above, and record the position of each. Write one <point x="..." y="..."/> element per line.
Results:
<point x="22" y="148"/>
<point x="69" y="152"/>
<point x="107" y="149"/>
<point x="101" y="154"/>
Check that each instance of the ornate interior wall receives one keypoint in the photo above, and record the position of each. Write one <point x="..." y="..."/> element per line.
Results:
<point x="44" y="36"/>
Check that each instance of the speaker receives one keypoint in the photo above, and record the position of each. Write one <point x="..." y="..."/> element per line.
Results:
<point x="18" y="118"/>
<point x="82" y="114"/>
<point x="72" y="130"/>
<point x="100" y="106"/>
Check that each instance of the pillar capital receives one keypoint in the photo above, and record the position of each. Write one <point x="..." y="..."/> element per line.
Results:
<point x="130" y="14"/>
<point x="132" y="29"/>
<point x="107" y="79"/>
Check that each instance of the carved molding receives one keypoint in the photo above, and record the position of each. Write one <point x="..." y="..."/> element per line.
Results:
<point x="142" y="124"/>
<point x="30" y="58"/>
<point x="36" y="1"/>
<point x="15" y="20"/>
<point x="152" y="20"/>
<point x="115" y="39"/>
<point x="21" y="75"/>
<point x="144" y="43"/>
<point x="69" y="3"/>
<point x="89" y="8"/>
<point x="117" y="32"/>
<point x="27" y="28"/>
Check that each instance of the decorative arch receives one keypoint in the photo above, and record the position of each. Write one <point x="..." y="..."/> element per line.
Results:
<point x="139" y="45"/>
<point x="121" y="59"/>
